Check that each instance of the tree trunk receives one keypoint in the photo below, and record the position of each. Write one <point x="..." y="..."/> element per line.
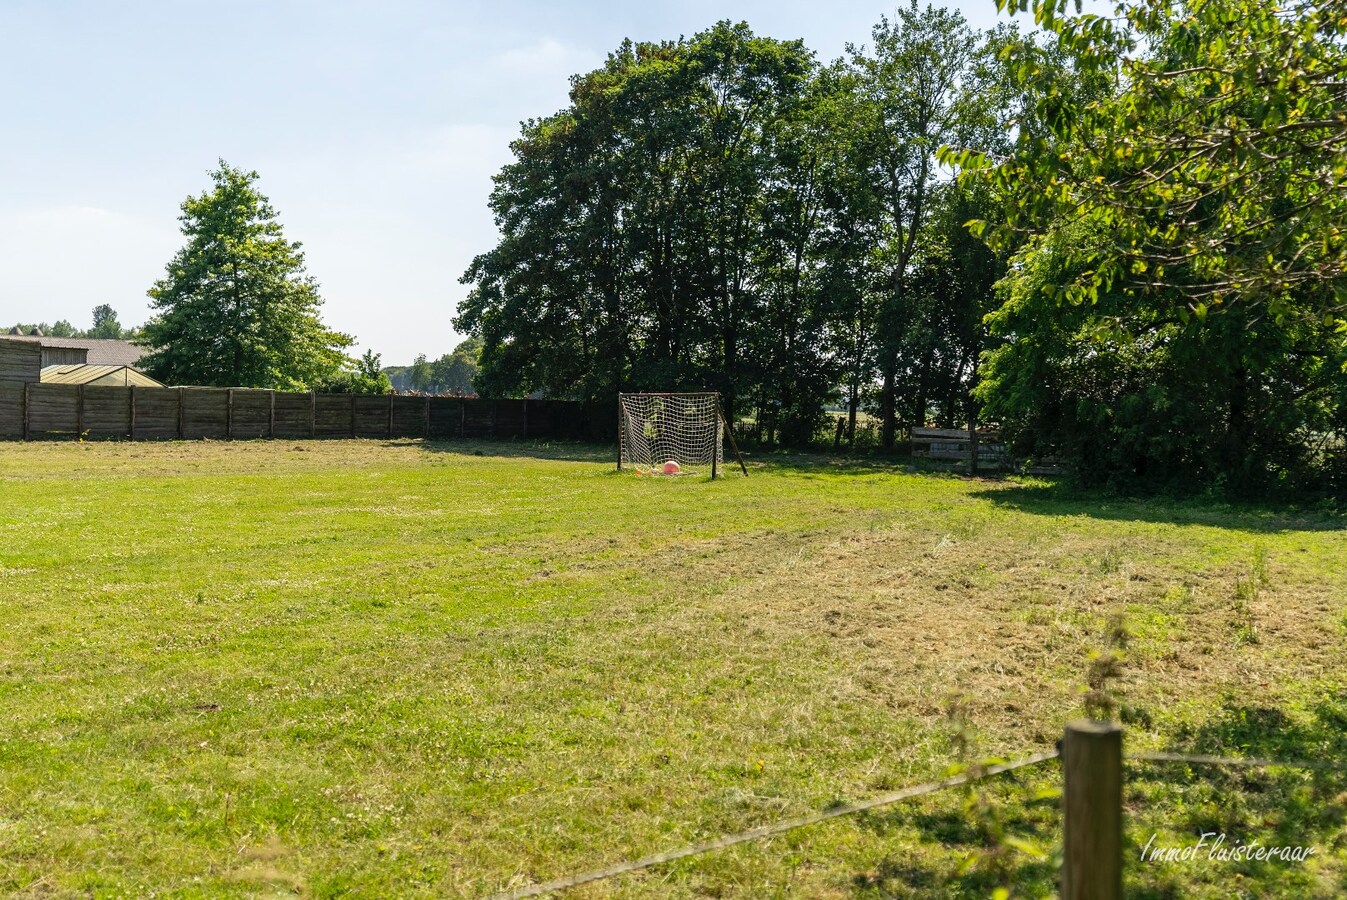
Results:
<point x="887" y="407"/>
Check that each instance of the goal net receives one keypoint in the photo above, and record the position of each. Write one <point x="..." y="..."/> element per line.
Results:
<point x="658" y="429"/>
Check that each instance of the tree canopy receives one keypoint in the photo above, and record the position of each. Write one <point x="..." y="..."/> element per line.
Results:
<point x="723" y="212"/>
<point x="236" y="306"/>
<point x="1177" y="311"/>
<point x="1118" y="237"/>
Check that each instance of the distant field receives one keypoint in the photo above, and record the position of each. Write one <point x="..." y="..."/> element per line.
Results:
<point x="402" y="669"/>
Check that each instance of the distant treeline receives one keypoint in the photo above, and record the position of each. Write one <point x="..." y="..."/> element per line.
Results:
<point x="105" y="325"/>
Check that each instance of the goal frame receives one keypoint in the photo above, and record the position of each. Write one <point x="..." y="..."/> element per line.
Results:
<point x="720" y="418"/>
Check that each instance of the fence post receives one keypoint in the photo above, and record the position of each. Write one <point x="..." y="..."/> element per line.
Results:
<point x="353" y="415"/>
<point x="271" y="415"/>
<point x="390" y="415"/>
<point x="182" y="398"/>
<point x="27" y="417"/>
<point x="133" y="413"/>
<point x="79" y="412"/>
<point x="1092" y="801"/>
<point x="313" y="414"/>
<point x="229" y="415"/>
<point x="425" y="418"/>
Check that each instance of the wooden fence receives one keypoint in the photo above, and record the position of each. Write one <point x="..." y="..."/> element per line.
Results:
<point x="36" y="411"/>
<point x="953" y="445"/>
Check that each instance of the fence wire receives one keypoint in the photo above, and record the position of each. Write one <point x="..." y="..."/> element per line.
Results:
<point x="775" y="828"/>
<point x="908" y="793"/>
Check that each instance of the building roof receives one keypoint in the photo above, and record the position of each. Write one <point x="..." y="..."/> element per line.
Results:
<point x="102" y="351"/>
<point x="104" y="375"/>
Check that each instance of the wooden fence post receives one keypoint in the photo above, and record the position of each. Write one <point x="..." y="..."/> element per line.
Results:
<point x="353" y="415"/>
<point x="27" y="402"/>
<point x="462" y="417"/>
<point x="229" y="415"/>
<point x="182" y="398"/>
<point x="133" y="412"/>
<point x="1092" y="801"/>
<point x="271" y="415"/>
<point x="79" y="412"/>
<point x="390" y="415"/>
<point x="425" y="418"/>
<point x="526" y="418"/>
<point x="313" y="414"/>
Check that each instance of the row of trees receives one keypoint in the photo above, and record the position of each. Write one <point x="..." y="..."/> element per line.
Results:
<point x="105" y="325"/>
<point x="453" y="373"/>
<point x="726" y="213"/>
<point x="1121" y="237"/>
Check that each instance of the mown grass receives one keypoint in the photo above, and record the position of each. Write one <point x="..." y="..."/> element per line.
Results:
<point x="396" y="669"/>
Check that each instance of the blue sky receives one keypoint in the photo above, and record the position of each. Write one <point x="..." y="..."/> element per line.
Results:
<point x="376" y="127"/>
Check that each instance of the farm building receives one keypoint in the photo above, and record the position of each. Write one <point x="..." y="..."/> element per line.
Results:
<point x="102" y="376"/>
<point x="62" y="351"/>
<point x="19" y="361"/>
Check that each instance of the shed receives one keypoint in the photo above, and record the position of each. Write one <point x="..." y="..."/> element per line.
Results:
<point x="102" y="376"/>
<point x="20" y="361"/>
<point x="94" y="351"/>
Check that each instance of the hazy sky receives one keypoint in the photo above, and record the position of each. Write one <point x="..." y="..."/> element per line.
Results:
<point x="376" y="127"/>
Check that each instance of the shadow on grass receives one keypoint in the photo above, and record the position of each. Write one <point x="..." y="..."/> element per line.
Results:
<point x="571" y="451"/>
<point x="1061" y="499"/>
<point x="1271" y="807"/>
<point x="791" y="462"/>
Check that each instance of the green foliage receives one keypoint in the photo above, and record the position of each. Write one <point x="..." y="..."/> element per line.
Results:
<point x="105" y="323"/>
<point x="365" y="375"/>
<point x="724" y="213"/>
<point x="454" y="373"/>
<point x="1176" y="314"/>
<point x="236" y="307"/>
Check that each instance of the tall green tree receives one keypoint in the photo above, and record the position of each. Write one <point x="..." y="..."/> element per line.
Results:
<point x="236" y="306"/>
<point x="1178" y="313"/>
<point x="914" y="82"/>
<point x="105" y="324"/>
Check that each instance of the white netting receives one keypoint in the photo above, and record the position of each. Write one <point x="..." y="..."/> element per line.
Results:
<point x="662" y="428"/>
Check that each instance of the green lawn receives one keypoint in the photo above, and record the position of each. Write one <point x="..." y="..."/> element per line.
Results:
<point x="393" y="669"/>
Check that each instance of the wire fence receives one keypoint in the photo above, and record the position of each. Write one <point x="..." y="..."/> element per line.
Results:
<point x="1101" y="770"/>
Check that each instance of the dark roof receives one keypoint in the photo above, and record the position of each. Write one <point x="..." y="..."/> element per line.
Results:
<point x="102" y="351"/>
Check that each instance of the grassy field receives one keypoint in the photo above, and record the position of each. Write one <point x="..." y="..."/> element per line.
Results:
<point x="405" y="669"/>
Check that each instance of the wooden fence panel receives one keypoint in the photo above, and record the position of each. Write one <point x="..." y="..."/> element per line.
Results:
<point x="333" y="417"/>
<point x="409" y="416"/>
<point x="446" y="417"/>
<point x="205" y="413"/>
<point x="478" y="418"/>
<point x="511" y="419"/>
<point x="293" y="414"/>
<point x="371" y="415"/>
<point x="156" y="411"/>
<point x="107" y="412"/>
<point x="11" y="410"/>
<point x="252" y="414"/>
<point x="20" y="362"/>
<point x="53" y="410"/>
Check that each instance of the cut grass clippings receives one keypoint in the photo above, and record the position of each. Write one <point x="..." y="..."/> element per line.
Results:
<point x="403" y="669"/>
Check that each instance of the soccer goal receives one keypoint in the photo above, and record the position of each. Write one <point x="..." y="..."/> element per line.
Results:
<point x="672" y="434"/>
